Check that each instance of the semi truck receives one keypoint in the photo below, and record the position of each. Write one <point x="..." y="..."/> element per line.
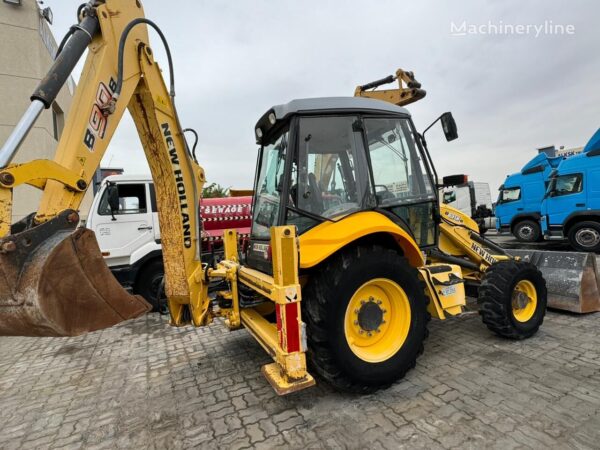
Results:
<point x="518" y="209"/>
<point x="129" y="237"/>
<point x="571" y="206"/>
<point x="474" y="199"/>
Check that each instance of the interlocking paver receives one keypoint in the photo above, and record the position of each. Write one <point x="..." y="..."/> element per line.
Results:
<point x="144" y="384"/>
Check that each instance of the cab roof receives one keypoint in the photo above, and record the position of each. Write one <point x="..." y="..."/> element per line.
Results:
<point x="325" y="104"/>
<point x="125" y="178"/>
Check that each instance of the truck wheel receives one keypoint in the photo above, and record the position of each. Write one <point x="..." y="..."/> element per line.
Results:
<point x="366" y="317"/>
<point x="585" y="236"/>
<point x="512" y="299"/>
<point x="149" y="282"/>
<point x="527" y="231"/>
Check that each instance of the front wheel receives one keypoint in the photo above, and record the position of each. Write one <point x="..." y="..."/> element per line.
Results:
<point x="527" y="231"/>
<point x="585" y="236"/>
<point x="366" y="317"/>
<point x="512" y="299"/>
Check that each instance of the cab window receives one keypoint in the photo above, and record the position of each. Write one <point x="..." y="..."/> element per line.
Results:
<point x="398" y="171"/>
<point x="510" y="194"/>
<point x="566" y="184"/>
<point x="329" y="174"/>
<point x="449" y="197"/>
<point x="132" y="200"/>
<point x="268" y="185"/>
<point x="402" y="184"/>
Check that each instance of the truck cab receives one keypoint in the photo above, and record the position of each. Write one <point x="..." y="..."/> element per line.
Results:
<point x="474" y="199"/>
<point x="129" y="235"/>
<point x="571" y="207"/>
<point x="519" y="200"/>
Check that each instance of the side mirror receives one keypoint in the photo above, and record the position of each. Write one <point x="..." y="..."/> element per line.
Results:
<point x="449" y="126"/>
<point x="454" y="180"/>
<point x="113" y="199"/>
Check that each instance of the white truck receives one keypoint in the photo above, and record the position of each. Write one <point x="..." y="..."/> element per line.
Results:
<point x="129" y="237"/>
<point x="474" y="199"/>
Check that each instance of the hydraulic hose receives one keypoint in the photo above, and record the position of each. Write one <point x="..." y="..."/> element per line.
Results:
<point x="122" y="41"/>
<point x="193" y="154"/>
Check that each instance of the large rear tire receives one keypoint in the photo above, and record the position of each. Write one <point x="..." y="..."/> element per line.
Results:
<point x="366" y="317"/>
<point x="512" y="299"/>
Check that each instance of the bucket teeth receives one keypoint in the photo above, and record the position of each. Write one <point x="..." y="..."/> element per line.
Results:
<point x="54" y="282"/>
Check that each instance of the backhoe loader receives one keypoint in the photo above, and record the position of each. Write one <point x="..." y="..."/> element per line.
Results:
<point x="350" y="251"/>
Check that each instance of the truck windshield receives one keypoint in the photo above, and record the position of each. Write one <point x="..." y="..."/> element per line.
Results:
<point x="268" y="185"/>
<point x="510" y="194"/>
<point x="565" y="184"/>
<point x="449" y="197"/>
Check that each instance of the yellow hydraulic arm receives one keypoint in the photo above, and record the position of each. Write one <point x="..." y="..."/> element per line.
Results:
<point x="408" y="90"/>
<point x="53" y="280"/>
<point x="120" y="73"/>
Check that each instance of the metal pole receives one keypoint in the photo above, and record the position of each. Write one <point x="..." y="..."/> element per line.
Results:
<point x="20" y="132"/>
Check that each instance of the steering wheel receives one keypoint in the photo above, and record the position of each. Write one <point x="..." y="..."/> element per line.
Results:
<point x="316" y="195"/>
<point x="385" y="194"/>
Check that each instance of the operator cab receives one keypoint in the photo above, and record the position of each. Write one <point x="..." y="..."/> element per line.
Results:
<point x="326" y="158"/>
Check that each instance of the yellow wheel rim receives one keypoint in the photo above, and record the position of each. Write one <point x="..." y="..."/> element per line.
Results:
<point x="524" y="300"/>
<point x="377" y="320"/>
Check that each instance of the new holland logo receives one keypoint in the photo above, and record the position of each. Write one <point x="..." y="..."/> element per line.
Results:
<point x="481" y="252"/>
<point x="183" y="205"/>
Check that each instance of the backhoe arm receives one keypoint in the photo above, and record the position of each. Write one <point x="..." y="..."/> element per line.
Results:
<point x="43" y="265"/>
<point x="408" y="91"/>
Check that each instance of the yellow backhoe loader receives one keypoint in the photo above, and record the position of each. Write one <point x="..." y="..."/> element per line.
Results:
<point x="350" y="251"/>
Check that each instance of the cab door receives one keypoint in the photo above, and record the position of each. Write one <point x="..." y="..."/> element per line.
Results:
<point x="566" y="196"/>
<point x="121" y="232"/>
<point x="510" y="203"/>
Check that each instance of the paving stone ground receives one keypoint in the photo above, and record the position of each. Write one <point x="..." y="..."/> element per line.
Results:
<point x="146" y="385"/>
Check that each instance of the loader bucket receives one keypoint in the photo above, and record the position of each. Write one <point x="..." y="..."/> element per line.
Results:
<point x="54" y="282"/>
<point x="571" y="278"/>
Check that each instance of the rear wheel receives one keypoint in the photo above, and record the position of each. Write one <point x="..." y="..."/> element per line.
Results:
<point x="512" y="299"/>
<point x="585" y="236"/>
<point x="366" y="317"/>
<point x="149" y="284"/>
<point x="527" y="231"/>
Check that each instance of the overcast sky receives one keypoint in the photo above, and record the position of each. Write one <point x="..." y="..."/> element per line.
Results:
<point x="509" y="92"/>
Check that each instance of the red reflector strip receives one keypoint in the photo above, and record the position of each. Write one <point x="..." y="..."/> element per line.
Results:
<point x="292" y="328"/>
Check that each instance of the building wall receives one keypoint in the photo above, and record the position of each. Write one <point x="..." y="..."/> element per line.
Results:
<point x="27" y="48"/>
<point x="552" y="151"/>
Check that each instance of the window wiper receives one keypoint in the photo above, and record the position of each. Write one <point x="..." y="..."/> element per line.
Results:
<point x="402" y="157"/>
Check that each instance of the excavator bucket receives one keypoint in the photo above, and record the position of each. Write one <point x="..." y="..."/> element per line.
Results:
<point x="572" y="278"/>
<point x="54" y="282"/>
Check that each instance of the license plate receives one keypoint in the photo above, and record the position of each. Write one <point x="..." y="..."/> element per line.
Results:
<point x="448" y="290"/>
